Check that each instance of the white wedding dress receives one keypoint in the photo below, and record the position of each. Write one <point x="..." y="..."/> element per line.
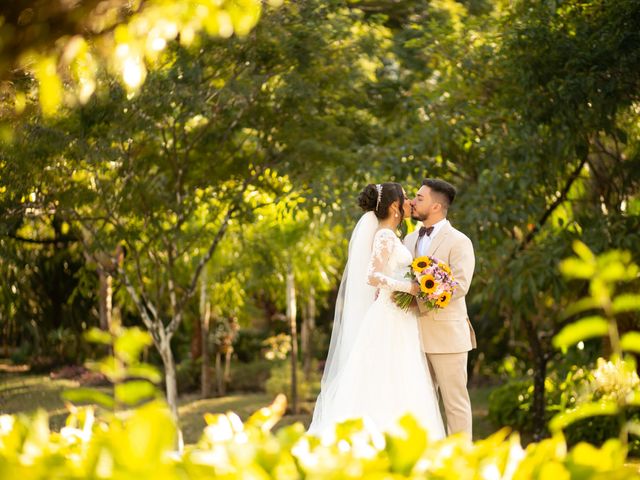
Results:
<point x="376" y="368"/>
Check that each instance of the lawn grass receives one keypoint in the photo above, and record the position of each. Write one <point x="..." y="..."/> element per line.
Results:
<point x="482" y="427"/>
<point x="26" y="392"/>
<point x="193" y="409"/>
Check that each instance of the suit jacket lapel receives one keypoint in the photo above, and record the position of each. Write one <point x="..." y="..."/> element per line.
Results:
<point x="436" y="242"/>
<point x="414" y="249"/>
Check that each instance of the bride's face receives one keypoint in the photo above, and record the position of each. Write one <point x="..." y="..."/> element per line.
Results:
<point x="406" y="205"/>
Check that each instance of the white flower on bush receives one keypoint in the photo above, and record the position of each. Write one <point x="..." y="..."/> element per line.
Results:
<point x="615" y="379"/>
<point x="6" y="424"/>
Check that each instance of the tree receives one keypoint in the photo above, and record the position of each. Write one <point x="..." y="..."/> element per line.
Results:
<point x="512" y="104"/>
<point x="215" y="135"/>
<point x="70" y="42"/>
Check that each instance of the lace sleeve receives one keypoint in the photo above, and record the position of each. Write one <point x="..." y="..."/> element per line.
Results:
<point x="383" y="244"/>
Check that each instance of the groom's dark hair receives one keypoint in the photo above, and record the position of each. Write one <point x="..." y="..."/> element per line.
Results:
<point x="445" y="189"/>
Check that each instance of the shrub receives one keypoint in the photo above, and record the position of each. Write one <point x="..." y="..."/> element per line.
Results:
<point x="141" y="444"/>
<point x="280" y="381"/>
<point x="248" y="345"/>
<point x="250" y="377"/>
<point x="188" y="374"/>
<point x="510" y="404"/>
<point x="597" y="430"/>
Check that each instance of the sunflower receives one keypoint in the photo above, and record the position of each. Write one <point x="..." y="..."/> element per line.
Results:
<point x="420" y="263"/>
<point x="443" y="300"/>
<point x="428" y="284"/>
<point x="445" y="268"/>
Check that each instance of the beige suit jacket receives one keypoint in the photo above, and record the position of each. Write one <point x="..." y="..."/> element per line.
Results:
<point x="448" y="330"/>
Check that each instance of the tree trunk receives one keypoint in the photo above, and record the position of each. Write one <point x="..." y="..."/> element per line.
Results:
<point x="291" y="316"/>
<point x="205" y="377"/>
<point x="219" y="374"/>
<point x="5" y="337"/>
<point x="205" y="316"/>
<point x="196" y="338"/>
<point x="105" y="299"/>
<point x="539" y="403"/>
<point x="539" y="375"/>
<point x="170" y="377"/>
<point x="227" y="368"/>
<point x="308" y="327"/>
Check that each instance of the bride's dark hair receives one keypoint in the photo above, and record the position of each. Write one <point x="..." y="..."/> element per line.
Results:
<point x="391" y="191"/>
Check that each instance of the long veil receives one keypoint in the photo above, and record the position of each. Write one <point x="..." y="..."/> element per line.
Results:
<point x="355" y="296"/>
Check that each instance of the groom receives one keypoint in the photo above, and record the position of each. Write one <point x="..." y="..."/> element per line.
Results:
<point x="446" y="334"/>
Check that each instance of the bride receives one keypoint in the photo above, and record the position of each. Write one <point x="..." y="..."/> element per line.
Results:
<point x="375" y="368"/>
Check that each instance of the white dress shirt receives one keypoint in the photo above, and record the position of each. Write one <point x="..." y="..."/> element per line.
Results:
<point x="425" y="241"/>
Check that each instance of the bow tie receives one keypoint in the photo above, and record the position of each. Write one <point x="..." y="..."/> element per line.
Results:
<point x="425" y="231"/>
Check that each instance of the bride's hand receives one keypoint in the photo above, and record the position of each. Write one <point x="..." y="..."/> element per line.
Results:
<point x="415" y="289"/>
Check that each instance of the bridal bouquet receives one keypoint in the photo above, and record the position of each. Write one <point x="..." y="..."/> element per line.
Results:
<point x="436" y="284"/>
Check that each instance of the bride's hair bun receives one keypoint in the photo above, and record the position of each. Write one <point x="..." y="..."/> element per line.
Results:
<point x="368" y="198"/>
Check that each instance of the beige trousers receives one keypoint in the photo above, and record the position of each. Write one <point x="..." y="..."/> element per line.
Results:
<point x="449" y="372"/>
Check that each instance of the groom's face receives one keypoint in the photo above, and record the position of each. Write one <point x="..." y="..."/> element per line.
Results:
<point x="424" y="205"/>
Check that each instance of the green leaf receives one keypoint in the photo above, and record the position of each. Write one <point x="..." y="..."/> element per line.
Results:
<point x="576" y="268"/>
<point x="406" y="445"/>
<point x="88" y="395"/>
<point x="146" y="371"/>
<point x="148" y="434"/>
<point x="633" y="399"/>
<point x="134" y="391"/>
<point x="111" y="369"/>
<point x="51" y="88"/>
<point x="613" y="272"/>
<point x="265" y="418"/>
<point x="587" y="303"/>
<point x="586" y="410"/>
<point x="95" y="335"/>
<point x="633" y="427"/>
<point x="626" y="302"/>
<point x="289" y="435"/>
<point x="131" y="343"/>
<point x="583" y="251"/>
<point x="630" y="342"/>
<point x="584" y="329"/>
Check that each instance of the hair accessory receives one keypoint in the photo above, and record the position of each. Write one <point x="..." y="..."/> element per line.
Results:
<point x="379" y="189"/>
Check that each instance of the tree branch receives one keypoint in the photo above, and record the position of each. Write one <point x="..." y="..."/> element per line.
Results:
<point x="233" y="207"/>
<point x="42" y="241"/>
<point x="551" y="208"/>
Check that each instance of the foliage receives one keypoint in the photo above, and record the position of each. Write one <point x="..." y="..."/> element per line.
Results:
<point x="65" y="46"/>
<point x="248" y="345"/>
<point x="610" y="390"/>
<point x="133" y="381"/>
<point x="188" y="374"/>
<point x="614" y="386"/>
<point x="216" y="143"/>
<point x="140" y="445"/>
<point x="530" y="108"/>
<point x="41" y="308"/>
<point x="510" y="406"/>
<point x="251" y="376"/>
